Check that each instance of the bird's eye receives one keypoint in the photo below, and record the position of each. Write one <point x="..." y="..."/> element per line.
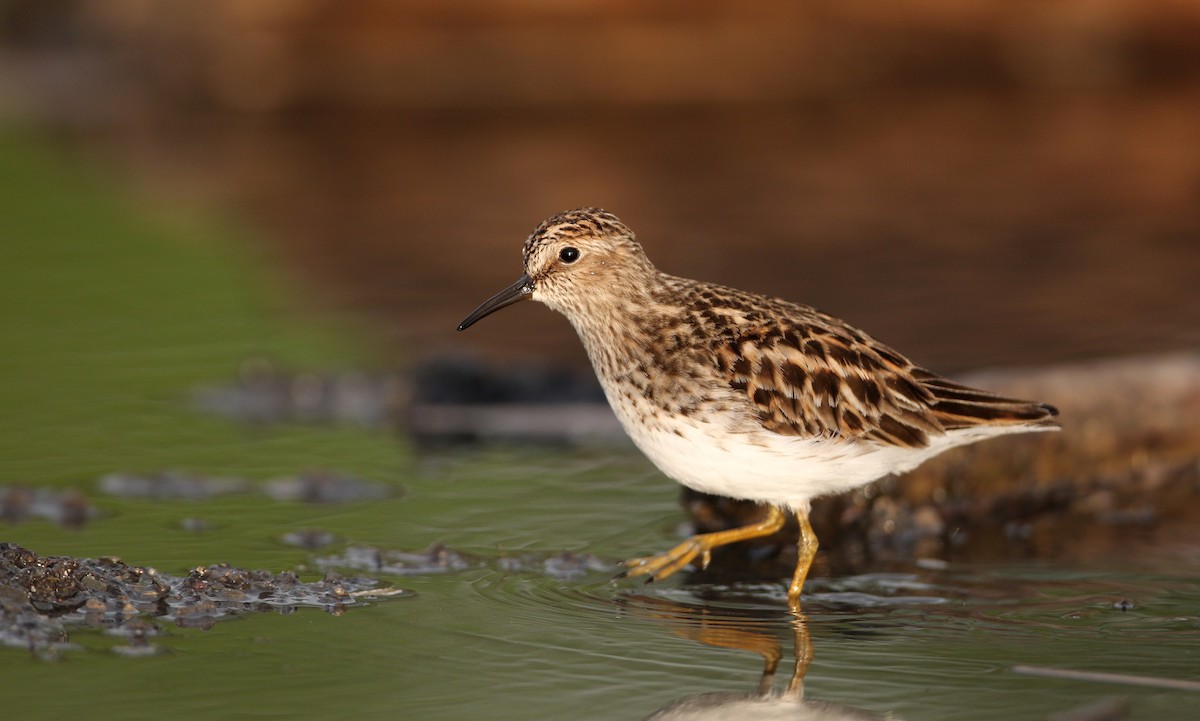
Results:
<point x="568" y="255"/>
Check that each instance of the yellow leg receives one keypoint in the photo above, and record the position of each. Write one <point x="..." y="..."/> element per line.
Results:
<point x="806" y="549"/>
<point x="664" y="564"/>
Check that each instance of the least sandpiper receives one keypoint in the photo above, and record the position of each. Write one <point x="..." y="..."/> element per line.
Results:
<point x="743" y="395"/>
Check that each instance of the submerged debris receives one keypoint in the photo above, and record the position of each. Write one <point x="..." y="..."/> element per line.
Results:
<point x="42" y="597"/>
<point x="443" y="400"/>
<point x="310" y="539"/>
<point x="563" y="566"/>
<point x="311" y="487"/>
<point x="438" y="558"/>
<point x="326" y="487"/>
<point x="461" y="400"/>
<point x="168" y="485"/>
<point x="265" y="394"/>
<point x="193" y="524"/>
<point x="69" y="507"/>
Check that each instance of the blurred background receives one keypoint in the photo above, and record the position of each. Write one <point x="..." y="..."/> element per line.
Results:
<point x="979" y="184"/>
<point x="275" y="212"/>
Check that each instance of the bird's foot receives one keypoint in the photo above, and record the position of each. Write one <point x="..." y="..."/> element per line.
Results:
<point x="662" y="565"/>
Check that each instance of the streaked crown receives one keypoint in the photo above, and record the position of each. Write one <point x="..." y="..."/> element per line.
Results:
<point x="576" y="224"/>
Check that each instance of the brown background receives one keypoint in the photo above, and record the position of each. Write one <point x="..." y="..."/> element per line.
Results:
<point x="978" y="184"/>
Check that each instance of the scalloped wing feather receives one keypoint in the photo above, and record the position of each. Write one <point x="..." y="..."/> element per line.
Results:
<point x="823" y="378"/>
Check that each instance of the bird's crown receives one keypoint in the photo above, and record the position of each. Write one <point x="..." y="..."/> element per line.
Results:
<point x="578" y="223"/>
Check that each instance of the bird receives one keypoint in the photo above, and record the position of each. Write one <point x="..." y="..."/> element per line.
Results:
<point x="744" y="395"/>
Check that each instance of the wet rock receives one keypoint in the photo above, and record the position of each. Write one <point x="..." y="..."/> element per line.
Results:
<point x="69" y="507"/>
<point x="469" y="381"/>
<point x="195" y="525"/>
<point x="452" y="400"/>
<point x="437" y="558"/>
<point x="311" y="539"/>
<point x="15" y="504"/>
<point x="326" y="487"/>
<point x="43" y="597"/>
<point x="563" y="566"/>
<point x="435" y="424"/>
<point x="139" y="650"/>
<point x="464" y="400"/>
<point x="233" y="588"/>
<point x="312" y="487"/>
<point x="266" y="394"/>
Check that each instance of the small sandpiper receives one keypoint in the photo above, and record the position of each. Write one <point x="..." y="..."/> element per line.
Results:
<point x="743" y="395"/>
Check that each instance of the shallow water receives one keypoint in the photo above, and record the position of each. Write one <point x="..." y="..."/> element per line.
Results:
<point x="113" y="320"/>
<point x="501" y="640"/>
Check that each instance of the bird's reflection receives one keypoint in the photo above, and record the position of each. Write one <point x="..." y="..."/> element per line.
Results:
<point x="728" y="628"/>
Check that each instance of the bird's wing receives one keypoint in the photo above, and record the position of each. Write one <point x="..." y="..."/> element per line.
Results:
<point x="818" y="377"/>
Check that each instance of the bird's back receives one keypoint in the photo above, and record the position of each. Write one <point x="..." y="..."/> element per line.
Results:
<point x="808" y="374"/>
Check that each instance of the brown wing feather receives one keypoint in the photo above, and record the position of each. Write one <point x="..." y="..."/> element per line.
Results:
<point x="814" y="376"/>
<point x="960" y="406"/>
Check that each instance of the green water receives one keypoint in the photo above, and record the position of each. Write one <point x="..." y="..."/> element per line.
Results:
<point x="112" y="314"/>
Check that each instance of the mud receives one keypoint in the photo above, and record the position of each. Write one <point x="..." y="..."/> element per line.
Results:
<point x="44" y="600"/>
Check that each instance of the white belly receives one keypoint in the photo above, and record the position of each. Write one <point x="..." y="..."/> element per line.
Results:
<point x="781" y="470"/>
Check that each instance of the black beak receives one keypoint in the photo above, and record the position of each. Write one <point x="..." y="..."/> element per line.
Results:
<point x="521" y="290"/>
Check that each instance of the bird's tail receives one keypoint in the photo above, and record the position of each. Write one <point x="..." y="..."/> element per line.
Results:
<point x="958" y="406"/>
